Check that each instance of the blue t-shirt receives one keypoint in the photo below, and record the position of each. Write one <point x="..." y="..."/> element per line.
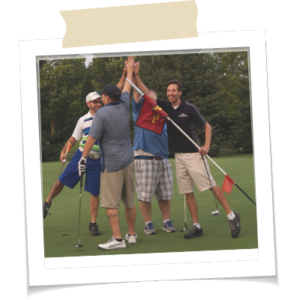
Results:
<point x="147" y="140"/>
<point x="111" y="126"/>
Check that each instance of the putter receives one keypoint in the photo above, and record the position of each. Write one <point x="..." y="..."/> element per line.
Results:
<point x="215" y="212"/>
<point x="184" y="209"/>
<point x="81" y="179"/>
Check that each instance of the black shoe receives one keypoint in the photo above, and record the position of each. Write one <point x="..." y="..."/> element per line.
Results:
<point x="235" y="225"/>
<point x="46" y="207"/>
<point x="93" y="227"/>
<point x="194" y="232"/>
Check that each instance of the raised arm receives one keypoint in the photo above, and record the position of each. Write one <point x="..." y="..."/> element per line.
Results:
<point x="136" y="95"/>
<point x="140" y="84"/>
<point x="121" y="83"/>
<point x="130" y="64"/>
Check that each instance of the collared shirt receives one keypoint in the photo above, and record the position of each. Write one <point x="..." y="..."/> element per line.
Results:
<point x="82" y="130"/>
<point x="186" y="116"/>
<point x="111" y="126"/>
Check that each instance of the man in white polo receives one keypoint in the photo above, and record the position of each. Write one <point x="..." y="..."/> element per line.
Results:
<point x="70" y="176"/>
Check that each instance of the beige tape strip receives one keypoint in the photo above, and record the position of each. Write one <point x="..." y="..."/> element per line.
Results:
<point x="127" y="24"/>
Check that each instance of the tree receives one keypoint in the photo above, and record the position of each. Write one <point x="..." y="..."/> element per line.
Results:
<point x="62" y="102"/>
<point x="234" y="79"/>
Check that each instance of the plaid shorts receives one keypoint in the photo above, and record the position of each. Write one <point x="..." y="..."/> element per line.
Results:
<point x="153" y="177"/>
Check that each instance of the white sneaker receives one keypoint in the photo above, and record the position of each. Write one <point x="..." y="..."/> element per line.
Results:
<point x="112" y="244"/>
<point x="131" y="238"/>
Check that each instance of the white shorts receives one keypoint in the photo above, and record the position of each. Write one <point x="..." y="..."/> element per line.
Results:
<point x="190" y="170"/>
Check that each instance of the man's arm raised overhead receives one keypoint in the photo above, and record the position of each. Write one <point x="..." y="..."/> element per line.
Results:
<point x="140" y="84"/>
<point x="130" y="64"/>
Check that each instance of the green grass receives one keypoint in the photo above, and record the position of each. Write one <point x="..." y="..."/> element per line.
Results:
<point x="61" y="227"/>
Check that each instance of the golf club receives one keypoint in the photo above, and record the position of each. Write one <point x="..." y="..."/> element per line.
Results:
<point x="216" y="212"/>
<point x="81" y="179"/>
<point x="61" y="168"/>
<point x="184" y="209"/>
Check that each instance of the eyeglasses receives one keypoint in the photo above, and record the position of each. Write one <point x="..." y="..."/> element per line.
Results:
<point x="96" y="102"/>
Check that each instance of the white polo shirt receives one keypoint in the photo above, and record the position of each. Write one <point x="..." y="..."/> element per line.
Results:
<point x="82" y="130"/>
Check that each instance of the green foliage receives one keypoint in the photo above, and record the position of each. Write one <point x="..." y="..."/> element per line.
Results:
<point x="105" y="70"/>
<point x="216" y="83"/>
<point x="204" y="84"/>
<point x="62" y="101"/>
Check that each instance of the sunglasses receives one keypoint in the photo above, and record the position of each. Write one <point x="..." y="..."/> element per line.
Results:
<point x="96" y="102"/>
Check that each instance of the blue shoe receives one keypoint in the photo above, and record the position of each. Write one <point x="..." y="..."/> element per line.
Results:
<point x="149" y="229"/>
<point x="168" y="227"/>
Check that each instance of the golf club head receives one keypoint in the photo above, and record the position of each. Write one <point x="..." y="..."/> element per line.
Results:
<point x="184" y="229"/>
<point x="78" y="245"/>
<point x="215" y="213"/>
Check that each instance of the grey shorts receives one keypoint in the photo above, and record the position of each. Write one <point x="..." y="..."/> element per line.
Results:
<point x="153" y="177"/>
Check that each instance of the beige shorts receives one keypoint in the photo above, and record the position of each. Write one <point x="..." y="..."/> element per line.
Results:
<point x="117" y="186"/>
<point x="190" y="170"/>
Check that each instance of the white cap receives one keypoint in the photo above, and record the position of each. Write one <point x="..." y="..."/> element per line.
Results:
<point x="92" y="96"/>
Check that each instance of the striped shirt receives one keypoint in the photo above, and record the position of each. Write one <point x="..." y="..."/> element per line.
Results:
<point x="82" y="130"/>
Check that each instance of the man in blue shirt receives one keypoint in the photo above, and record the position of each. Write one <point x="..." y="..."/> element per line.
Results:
<point x="153" y="169"/>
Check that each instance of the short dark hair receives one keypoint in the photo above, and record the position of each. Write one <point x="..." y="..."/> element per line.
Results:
<point x="174" y="81"/>
<point x="112" y="91"/>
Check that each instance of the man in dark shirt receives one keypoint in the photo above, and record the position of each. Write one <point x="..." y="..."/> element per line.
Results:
<point x="191" y="168"/>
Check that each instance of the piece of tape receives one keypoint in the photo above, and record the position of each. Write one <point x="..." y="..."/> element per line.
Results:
<point x="128" y="24"/>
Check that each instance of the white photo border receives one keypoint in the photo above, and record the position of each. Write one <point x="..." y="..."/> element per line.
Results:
<point x="30" y="51"/>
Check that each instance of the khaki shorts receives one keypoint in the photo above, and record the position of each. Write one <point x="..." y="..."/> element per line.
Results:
<point x="190" y="170"/>
<point x="117" y="186"/>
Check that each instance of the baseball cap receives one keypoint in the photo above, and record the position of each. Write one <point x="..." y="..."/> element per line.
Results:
<point x="92" y="96"/>
<point x="111" y="90"/>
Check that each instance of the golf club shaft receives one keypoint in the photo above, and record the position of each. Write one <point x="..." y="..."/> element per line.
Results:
<point x="184" y="203"/>
<point x="203" y="158"/>
<point x="81" y="179"/>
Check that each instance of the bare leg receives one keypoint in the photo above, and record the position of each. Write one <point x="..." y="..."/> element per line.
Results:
<point x="145" y="208"/>
<point x="94" y="205"/>
<point x="191" y="202"/>
<point x="58" y="188"/>
<point x="222" y="199"/>
<point x="114" y="221"/>
<point x="130" y="214"/>
<point x="165" y="208"/>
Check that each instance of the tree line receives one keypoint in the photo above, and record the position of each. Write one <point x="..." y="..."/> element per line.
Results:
<point x="217" y="83"/>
